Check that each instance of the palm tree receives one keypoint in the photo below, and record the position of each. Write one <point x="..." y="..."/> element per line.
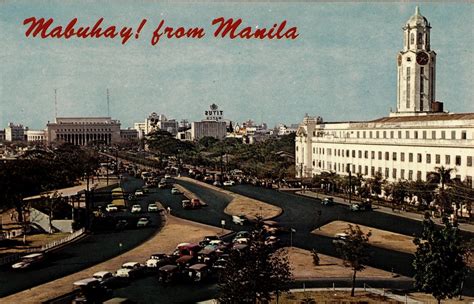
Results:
<point x="441" y="175"/>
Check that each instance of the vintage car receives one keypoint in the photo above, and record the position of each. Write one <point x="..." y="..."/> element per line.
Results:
<point x="157" y="260"/>
<point x="199" y="272"/>
<point x="106" y="278"/>
<point x="169" y="273"/>
<point x="207" y="255"/>
<point x="130" y="270"/>
<point x="89" y="291"/>
<point x="28" y="261"/>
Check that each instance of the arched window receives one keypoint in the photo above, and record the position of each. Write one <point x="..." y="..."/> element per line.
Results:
<point x="420" y="38"/>
<point x="412" y="38"/>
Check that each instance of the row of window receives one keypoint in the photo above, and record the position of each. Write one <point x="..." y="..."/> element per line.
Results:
<point x="425" y="134"/>
<point x="393" y="156"/>
<point x="82" y="130"/>
<point x="364" y="170"/>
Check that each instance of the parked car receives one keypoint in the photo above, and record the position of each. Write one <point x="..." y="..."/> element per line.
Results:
<point x="328" y="201"/>
<point x="157" y="260"/>
<point x="205" y="241"/>
<point x="106" y="278"/>
<point x="217" y="184"/>
<point x="162" y="185"/>
<point x="89" y="291"/>
<point x="139" y="192"/>
<point x="121" y="224"/>
<point x="168" y="273"/>
<point x="111" y="208"/>
<point x="29" y="261"/>
<point x="229" y="183"/>
<point x="362" y="206"/>
<point x="153" y="207"/>
<point x="199" y="272"/>
<point x="272" y="241"/>
<point x="175" y="191"/>
<point x="130" y="270"/>
<point x="136" y="208"/>
<point x="143" y="222"/>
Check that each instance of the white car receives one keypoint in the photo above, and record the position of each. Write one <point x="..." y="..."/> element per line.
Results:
<point x="111" y="208"/>
<point x="136" y="208"/>
<point x="239" y="219"/>
<point x="229" y="183"/>
<point x="143" y="222"/>
<point x="105" y="278"/>
<point x="129" y="269"/>
<point x="167" y="176"/>
<point x="139" y="192"/>
<point x="152" y="207"/>
<point x="29" y="260"/>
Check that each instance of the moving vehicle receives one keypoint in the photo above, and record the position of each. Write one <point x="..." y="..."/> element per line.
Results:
<point x="162" y="185"/>
<point x="229" y="183"/>
<point x="143" y="222"/>
<point x="239" y="219"/>
<point x="130" y="270"/>
<point x="153" y="207"/>
<point x="328" y="201"/>
<point x="340" y="238"/>
<point x="111" y="208"/>
<point x="136" y="208"/>
<point x="217" y="184"/>
<point x="175" y="191"/>
<point x="139" y="192"/>
<point x="29" y="261"/>
<point x="189" y="204"/>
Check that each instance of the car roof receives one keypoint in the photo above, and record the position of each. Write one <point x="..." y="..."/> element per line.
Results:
<point x="130" y="264"/>
<point x="33" y="255"/>
<point x="198" y="266"/>
<point x="85" y="281"/>
<point x="101" y="273"/>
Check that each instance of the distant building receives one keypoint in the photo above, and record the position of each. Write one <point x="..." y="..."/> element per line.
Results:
<point x="83" y="130"/>
<point x="211" y="128"/>
<point x="2" y="135"/>
<point x="156" y="122"/>
<point x="128" y="134"/>
<point x="15" y="132"/>
<point x="285" y="130"/>
<point x="36" y="136"/>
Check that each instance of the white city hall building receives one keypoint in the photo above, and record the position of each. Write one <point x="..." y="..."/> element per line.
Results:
<point x="408" y="144"/>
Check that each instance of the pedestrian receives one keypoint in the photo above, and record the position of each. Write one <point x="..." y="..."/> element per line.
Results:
<point x="169" y="209"/>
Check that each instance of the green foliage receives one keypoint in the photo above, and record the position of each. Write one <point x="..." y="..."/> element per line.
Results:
<point x="42" y="170"/>
<point x="254" y="273"/>
<point x="440" y="266"/>
<point x="354" y="250"/>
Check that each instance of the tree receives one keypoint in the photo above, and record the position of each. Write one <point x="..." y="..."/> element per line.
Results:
<point x="254" y="273"/>
<point x="440" y="265"/>
<point x="354" y="250"/>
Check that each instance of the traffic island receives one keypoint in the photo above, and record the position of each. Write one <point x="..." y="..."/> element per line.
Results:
<point x="379" y="238"/>
<point x="242" y="205"/>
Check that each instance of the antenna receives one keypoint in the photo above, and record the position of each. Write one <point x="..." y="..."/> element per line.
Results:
<point x="55" y="103"/>
<point x="108" y="103"/>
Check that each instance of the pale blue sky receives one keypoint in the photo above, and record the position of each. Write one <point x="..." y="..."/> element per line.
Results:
<point x="341" y="67"/>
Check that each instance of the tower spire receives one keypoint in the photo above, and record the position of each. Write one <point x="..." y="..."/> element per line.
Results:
<point x="417" y="10"/>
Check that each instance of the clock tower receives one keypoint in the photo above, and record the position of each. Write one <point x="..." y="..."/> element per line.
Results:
<point x="416" y="66"/>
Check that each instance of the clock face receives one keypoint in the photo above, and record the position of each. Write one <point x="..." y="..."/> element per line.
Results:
<point x="422" y="58"/>
<point x="399" y="60"/>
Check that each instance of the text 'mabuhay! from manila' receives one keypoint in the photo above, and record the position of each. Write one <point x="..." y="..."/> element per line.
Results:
<point x="223" y="28"/>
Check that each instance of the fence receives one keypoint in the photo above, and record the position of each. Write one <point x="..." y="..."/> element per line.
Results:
<point x="16" y="256"/>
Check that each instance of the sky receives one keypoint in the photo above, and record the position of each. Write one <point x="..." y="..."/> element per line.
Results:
<point x="342" y="66"/>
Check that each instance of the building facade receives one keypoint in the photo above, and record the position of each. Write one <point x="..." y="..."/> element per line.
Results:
<point x="211" y="128"/>
<point x="14" y="132"/>
<point x="83" y="130"/>
<point x="36" y="136"/>
<point x="408" y="144"/>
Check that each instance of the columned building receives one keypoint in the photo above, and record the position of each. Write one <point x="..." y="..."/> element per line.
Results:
<point x="83" y="130"/>
<point x="408" y="144"/>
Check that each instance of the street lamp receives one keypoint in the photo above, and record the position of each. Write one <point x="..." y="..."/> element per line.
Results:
<point x="292" y="230"/>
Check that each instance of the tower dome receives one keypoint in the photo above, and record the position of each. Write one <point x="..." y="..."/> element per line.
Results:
<point x="417" y="19"/>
